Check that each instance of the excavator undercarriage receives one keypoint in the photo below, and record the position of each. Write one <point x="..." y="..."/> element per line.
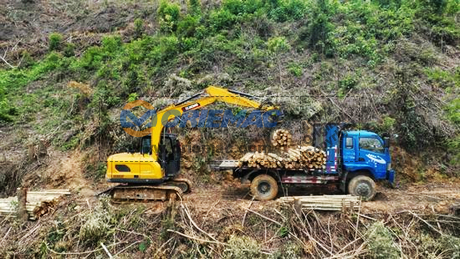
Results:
<point x="169" y="190"/>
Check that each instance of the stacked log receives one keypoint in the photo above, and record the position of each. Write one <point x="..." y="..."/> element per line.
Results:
<point x="281" y="138"/>
<point x="38" y="203"/>
<point x="323" y="202"/>
<point x="300" y="157"/>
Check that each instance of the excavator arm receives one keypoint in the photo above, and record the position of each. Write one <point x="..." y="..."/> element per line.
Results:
<point x="209" y="96"/>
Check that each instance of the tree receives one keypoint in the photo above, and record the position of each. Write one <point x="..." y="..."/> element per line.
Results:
<point x="276" y="46"/>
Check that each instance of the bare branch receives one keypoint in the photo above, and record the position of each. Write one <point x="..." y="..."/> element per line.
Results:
<point x="6" y="62"/>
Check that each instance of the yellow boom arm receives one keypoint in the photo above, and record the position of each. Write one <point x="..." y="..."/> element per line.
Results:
<point x="213" y="94"/>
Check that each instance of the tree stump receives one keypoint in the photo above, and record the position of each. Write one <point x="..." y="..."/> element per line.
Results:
<point x="22" y="201"/>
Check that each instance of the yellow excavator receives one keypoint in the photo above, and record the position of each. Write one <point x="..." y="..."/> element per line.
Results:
<point x="152" y="173"/>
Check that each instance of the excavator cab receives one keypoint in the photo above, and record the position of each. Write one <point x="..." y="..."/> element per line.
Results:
<point x="169" y="153"/>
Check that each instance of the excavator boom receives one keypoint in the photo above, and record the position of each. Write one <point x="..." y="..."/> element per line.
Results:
<point x="198" y="101"/>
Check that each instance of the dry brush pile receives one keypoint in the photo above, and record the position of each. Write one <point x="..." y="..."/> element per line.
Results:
<point x="185" y="230"/>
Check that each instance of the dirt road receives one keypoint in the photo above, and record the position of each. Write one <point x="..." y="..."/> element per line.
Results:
<point x="432" y="197"/>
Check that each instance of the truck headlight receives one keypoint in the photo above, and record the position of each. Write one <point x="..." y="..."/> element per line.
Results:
<point x="388" y="166"/>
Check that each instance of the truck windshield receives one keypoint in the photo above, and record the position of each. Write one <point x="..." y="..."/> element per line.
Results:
<point x="371" y="144"/>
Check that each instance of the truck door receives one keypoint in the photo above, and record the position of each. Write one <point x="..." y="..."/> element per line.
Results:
<point x="370" y="154"/>
<point x="348" y="149"/>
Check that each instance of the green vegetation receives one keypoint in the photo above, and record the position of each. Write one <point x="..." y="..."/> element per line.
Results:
<point x="381" y="243"/>
<point x="55" y="41"/>
<point x="299" y="47"/>
<point x="385" y="65"/>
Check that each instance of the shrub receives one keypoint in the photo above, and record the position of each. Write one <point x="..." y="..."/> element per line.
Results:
<point x="187" y="26"/>
<point x="169" y="14"/>
<point x="169" y="47"/>
<point x="241" y="7"/>
<point x="286" y="10"/>
<point x="295" y="69"/>
<point x="242" y="247"/>
<point x="69" y="50"/>
<point x="320" y="27"/>
<point x="92" y="58"/>
<point x="388" y="124"/>
<point x="439" y="6"/>
<point x="97" y="223"/>
<point x="278" y="45"/>
<point x="111" y="44"/>
<point x="453" y="111"/>
<point x="454" y="151"/>
<point x="132" y="97"/>
<point x="194" y="7"/>
<point x="348" y="82"/>
<point x="138" y="28"/>
<point x="55" y="41"/>
<point x="235" y="7"/>
<point x="52" y="61"/>
<point x="380" y="242"/>
<point x="26" y="60"/>
<point x="222" y="19"/>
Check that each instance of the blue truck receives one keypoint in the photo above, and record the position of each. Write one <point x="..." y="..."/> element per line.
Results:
<point x="355" y="160"/>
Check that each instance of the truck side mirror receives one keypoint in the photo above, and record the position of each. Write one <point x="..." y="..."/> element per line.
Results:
<point x="386" y="142"/>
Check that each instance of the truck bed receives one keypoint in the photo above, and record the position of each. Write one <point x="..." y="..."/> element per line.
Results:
<point x="233" y="164"/>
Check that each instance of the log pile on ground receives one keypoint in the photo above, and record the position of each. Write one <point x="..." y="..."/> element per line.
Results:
<point x="38" y="203"/>
<point x="300" y="157"/>
<point x="323" y="202"/>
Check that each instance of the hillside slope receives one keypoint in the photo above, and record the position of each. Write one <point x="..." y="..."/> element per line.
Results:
<point x="384" y="66"/>
<point x="67" y="69"/>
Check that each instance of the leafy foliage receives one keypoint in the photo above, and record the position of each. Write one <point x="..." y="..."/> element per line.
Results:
<point x="138" y="27"/>
<point x="242" y="247"/>
<point x="169" y="14"/>
<point x="55" y="41"/>
<point x="380" y="242"/>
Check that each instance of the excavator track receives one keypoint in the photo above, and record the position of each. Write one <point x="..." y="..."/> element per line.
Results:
<point x="184" y="184"/>
<point x="133" y="193"/>
<point x="169" y="190"/>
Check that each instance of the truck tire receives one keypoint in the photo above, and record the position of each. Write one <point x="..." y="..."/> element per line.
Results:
<point x="363" y="186"/>
<point x="264" y="187"/>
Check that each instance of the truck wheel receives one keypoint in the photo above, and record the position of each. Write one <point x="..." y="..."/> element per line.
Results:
<point x="363" y="186"/>
<point x="264" y="187"/>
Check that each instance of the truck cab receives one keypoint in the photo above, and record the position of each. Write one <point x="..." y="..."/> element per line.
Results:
<point x="365" y="159"/>
<point x="365" y="151"/>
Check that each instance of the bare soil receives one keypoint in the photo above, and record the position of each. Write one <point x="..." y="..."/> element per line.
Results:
<point x="421" y="198"/>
